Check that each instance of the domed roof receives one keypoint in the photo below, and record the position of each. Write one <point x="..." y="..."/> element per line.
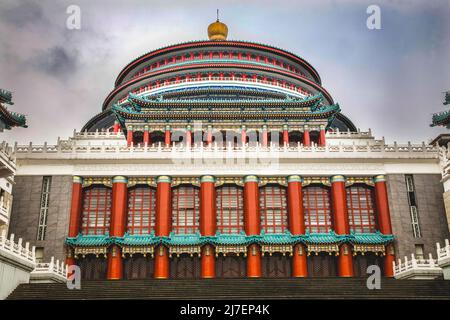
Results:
<point x="217" y="30"/>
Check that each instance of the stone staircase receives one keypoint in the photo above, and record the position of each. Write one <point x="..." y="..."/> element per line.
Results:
<point x="288" y="288"/>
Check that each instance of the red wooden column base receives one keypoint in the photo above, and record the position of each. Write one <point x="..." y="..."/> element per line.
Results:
<point x="345" y="261"/>
<point x="253" y="261"/>
<point x="389" y="258"/>
<point x="208" y="262"/>
<point x="299" y="262"/>
<point x="115" y="264"/>
<point x="161" y="263"/>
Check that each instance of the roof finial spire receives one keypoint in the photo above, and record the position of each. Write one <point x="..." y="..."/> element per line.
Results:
<point x="217" y="30"/>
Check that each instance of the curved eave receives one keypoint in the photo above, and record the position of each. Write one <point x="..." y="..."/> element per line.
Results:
<point x="12" y="119"/>
<point x="441" y="119"/>
<point x="328" y="112"/>
<point x="206" y="43"/>
<point x="218" y="65"/>
<point x="309" y="101"/>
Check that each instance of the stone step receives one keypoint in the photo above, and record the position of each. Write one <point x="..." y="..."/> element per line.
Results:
<point x="310" y="288"/>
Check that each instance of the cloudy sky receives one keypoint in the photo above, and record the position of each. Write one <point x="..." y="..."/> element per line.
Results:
<point x="390" y="80"/>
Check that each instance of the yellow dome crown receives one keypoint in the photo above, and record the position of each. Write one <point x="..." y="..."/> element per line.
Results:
<point x="217" y="30"/>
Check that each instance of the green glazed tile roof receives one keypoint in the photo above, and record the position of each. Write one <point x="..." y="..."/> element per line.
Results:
<point x="230" y="239"/>
<point x="137" y="239"/>
<point x="371" y="238"/>
<point x="89" y="240"/>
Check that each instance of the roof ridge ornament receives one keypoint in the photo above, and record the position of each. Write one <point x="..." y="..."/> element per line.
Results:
<point x="217" y="31"/>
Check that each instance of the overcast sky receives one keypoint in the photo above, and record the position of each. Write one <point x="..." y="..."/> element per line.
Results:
<point x="390" y="80"/>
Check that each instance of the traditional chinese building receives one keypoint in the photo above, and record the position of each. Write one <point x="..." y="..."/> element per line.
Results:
<point x="223" y="158"/>
<point x="8" y="120"/>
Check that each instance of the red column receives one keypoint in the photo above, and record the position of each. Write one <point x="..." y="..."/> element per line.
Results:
<point x="243" y="136"/>
<point x="384" y="220"/>
<point x="117" y="228"/>
<point x="297" y="224"/>
<point x="209" y="137"/>
<point x="130" y="136"/>
<point x="163" y="221"/>
<point x="115" y="263"/>
<point x="70" y="259"/>
<point x="252" y="224"/>
<point x="167" y="137"/>
<point x="339" y="207"/>
<point x="188" y="136"/>
<point x="265" y="136"/>
<point x="389" y="258"/>
<point x="306" y="137"/>
<point x="208" y="224"/>
<point x="116" y="126"/>
<point x="146" y="136"/>
<point x="322" y="139"/>
<point x="254" y="261"/>
<point x="285" y="135"/>
<point x="75" y="209"/>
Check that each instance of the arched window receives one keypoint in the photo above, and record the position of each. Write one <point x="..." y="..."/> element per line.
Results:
<point x="230" y="211"/>
<point x="361" y="209"/>
<point x="316" y="201"/>
<point x="141" y="210"/>
<point x="96" y="210"/>
<point x="273" y="209"/>
<point x="185" y="209"/>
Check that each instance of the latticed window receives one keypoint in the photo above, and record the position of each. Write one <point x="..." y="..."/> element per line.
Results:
<point x="316" y="201"/>
<point x="43" y="211"/>
<point x="96" y="210"/>
<point x="360" y="206"/>
<point x="273" y="209"/>
<point x="141" y="210"/>
<point x="185" y="210"/>
<point x="230" y="211"/>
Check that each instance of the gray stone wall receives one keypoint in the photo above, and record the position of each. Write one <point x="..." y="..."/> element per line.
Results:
<point x="430" y="205"/>
<point x="25" y="213"/>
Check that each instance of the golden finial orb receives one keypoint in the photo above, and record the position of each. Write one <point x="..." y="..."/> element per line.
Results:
<point x="217" y="31"/>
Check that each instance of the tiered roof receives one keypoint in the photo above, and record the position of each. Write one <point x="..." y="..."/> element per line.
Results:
<point x="158" y="108"/>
